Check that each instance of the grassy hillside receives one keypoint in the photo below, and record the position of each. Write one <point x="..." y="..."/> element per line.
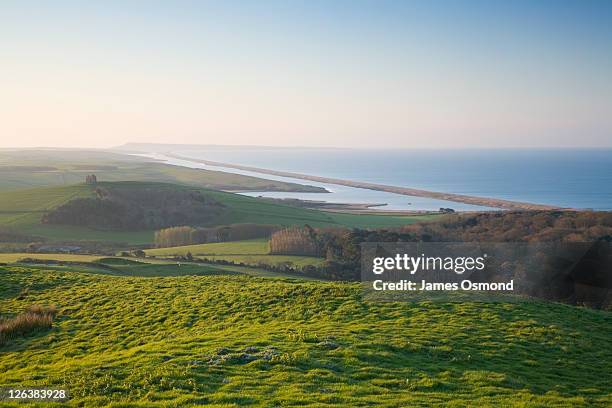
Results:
<point x="23" y="210"/>
<point x="120" y="266"/>
<point x="253" y="210"/>
<point x="37" y="168"/>
<point x="26" y="207"/>
<point x="237" y="340"/>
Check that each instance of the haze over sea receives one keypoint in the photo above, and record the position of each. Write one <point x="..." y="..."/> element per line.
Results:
<point x="574" y="178"/>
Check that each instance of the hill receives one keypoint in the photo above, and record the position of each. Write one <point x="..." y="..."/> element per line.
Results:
<point x="24" y="209"/>
<point x="23" y="169"/>
<point x="137" y="206"/>
<point x="238" y="340"/>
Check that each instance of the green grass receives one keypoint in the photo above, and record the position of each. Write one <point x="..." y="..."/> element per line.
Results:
<point x="265" y="273"/>
<point x="274" y="260"/>
<point x="116" y="266"/>
<point x="247" y="247"/>
<point x="152" y="267"/>
<point x="238" y="340"/>
<point x="166" y="270"/>
<point x="22" y="210"/>
<point x="26" y="207"/>
<point x="62" y="233"/>
<point x="71" y="167"/>
<point x="253" y="210"/>
<point x="378" y="221"/>
<point x="250" y="252"/>
<point x="16" y="256"/>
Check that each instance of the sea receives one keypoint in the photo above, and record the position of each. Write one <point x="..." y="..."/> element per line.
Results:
<point x="572" y="178"/>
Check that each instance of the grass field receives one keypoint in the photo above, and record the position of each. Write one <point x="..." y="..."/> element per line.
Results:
<point x="274" y="260"/>
<point x="253" y="210"/>
<point x="26" y="207"/>
<point x="238" y="340"/>
<point x="16" y="256"/>
<point x="121" y="266"/>
<point x="250" y="252"/>
<point x="247" y="247"/>
<point x="22" y="210"/>
<point x="70" y="167"/>
<point x="165" y="270"/>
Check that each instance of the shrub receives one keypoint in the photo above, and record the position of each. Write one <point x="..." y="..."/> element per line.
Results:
<point x="295" y="241"/>
<point x="185" y="235"/>
<point x="33" y="319"/>
<point x="174" y="236"/>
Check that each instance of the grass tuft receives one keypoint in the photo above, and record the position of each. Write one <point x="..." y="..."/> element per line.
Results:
<point x="35" y="318"/>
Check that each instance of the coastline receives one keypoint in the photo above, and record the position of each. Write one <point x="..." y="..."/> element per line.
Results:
<point x="460" y="198"/>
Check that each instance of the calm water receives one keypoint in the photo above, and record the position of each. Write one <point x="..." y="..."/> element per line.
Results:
<point x="569" y="178"/>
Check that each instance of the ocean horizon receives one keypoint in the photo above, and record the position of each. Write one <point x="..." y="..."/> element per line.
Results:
<point x="569" y="178"/>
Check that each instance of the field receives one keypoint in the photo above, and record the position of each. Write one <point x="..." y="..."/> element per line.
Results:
<point x="22" y="210"/>
<point x="253" y="210"/>
<point x="122" y="266"/>
<point x="35" y="168"/>
<point x="16" y="256"/>
<point x="248" y="247"/>
<point x="251" y="252"/>
<point x="239" y="340"/>
<point x="273" y="260"/>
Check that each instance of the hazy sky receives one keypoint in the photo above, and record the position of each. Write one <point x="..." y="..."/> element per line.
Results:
<point x="313" y="73"/>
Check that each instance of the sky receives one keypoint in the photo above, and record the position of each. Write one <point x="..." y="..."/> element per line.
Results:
<point x="432" y="74"/>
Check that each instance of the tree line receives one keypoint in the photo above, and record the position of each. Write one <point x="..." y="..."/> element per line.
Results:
<point x="186" y="235"/>
<point x="587" y="281"/>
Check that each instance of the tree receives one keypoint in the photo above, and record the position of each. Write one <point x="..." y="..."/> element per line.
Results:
<point x="91" y="179"/>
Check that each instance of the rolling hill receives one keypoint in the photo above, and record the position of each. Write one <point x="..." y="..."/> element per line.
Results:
<point x="26" y="169"/>
<point x="22" y="211"/>
<point x="244" y="341"/>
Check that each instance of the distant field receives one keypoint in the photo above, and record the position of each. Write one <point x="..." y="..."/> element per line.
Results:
<point x="74" y="233"/>
<point x="166" y="270"/>
<point x="273" y="260"/>
<point x="22" y="210"/>
<point x="22" y="170"/>
<point x="251" y="252"/>
<point x="244" y="341"/>
<point x="118" y="266"/>
<point x="252" y="210"/>
<point x="248" y="247"/>
<point x="14" y="257"/>
<point x="26" y="207"/>
<point x="151" y="267"/>
<point x="378" y="221"/>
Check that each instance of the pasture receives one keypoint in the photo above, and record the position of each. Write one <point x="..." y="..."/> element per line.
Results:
<point x="246" y="341"/>
<point x="22" y="210"/>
